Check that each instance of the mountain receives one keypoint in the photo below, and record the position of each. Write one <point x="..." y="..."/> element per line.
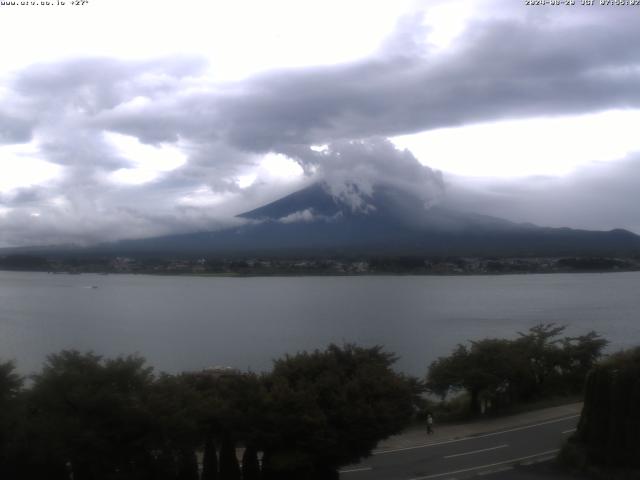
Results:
<point x="311" y="222"/>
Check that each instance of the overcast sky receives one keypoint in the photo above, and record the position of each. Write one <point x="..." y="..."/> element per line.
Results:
<point x="123" y="119"/>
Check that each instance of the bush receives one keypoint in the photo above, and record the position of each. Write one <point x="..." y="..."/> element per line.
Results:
<point x="607" y="440"/>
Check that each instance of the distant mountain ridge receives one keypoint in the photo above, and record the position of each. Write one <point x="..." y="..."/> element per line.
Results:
<point x="313" y="223"/>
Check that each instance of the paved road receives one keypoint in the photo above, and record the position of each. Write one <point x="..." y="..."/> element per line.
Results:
<point x="468" y="456"/>
<point x="548" y="470"/>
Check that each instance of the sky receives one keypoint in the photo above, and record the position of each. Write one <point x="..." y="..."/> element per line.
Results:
<point x="123" y="119"/>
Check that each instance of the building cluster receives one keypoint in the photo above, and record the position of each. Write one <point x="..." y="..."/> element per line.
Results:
<point x="341" y="266"/>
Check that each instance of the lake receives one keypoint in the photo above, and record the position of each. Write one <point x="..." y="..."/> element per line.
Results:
<point x="188" y="323"/>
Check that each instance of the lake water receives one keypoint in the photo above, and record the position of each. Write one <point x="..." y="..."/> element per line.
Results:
<point x="187" y="323"/>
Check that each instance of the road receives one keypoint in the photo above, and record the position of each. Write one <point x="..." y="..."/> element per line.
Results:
<point x="465" y="457"/>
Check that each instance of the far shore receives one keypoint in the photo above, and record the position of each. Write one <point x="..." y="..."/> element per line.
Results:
<point x="323" y="274"/>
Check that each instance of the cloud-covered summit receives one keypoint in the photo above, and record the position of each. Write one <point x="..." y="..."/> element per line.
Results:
<point x="351" y="170"/>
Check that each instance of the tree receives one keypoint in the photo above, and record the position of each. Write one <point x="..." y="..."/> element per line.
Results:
<point x="580" y="355"/>
<point x="176" y="432"/>
<point x="230" y="415"/>
<point x="91" y="414"/>
<point x="250" y="464"/>
<point x="187" y="465"/>
<point x="500" y="372"/>
<point x="609" y="427"/>
<point x="10" y="389"/>
<point x="486" y="371"/>
<point x="229" y="466"/>
<point x="543" y="356"/>
<point x="209" y="460"/>
<point x="10" y="382"/>
<point x="330" y="408"/>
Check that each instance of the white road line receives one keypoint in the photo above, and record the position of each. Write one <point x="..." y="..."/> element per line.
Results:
<point x="476" y="451"/>
<point x="463" y="439"/>
<point x="495" y="470"/>
<point x="513" y="460"/>
<point x="352" y="470"/>
<point x="571" y="430"/>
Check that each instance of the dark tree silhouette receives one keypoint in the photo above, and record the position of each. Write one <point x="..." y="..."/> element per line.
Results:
<point x="210" y="460"/>
<point x="608" y="434"/>
<point x="89" y="418"/>
<point x="91" y="414"/>
<point x="330" y="408"/>
<point x="229" y="466"/>
<point x="10" y="388"/>
<point x="500" y="372"/>
<point x="187" y="465"/>
<point x="250" y="464"/>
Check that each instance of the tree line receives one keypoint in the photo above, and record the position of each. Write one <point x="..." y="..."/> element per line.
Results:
<point x="84" y="417"/>
<point x="497" y="373"/>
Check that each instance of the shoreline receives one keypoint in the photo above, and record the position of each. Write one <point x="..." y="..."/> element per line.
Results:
<point x="322" y="274"/>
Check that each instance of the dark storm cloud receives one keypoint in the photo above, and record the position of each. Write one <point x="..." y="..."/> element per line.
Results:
<point x="497" y="69"/>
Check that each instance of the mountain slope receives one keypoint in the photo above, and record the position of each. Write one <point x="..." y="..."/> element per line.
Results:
<point x="311" y="222"/>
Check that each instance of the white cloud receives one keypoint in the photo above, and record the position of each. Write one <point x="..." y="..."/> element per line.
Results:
<point x="203" y="197"/>
<point x="21" y="165"/>
<point x="306" y="215"/>
<point x="239" y="38"/>
<point x="535" y="146"/>
<point x="275" y="166"/>
<point x="148" y="161"/>
<point x="245" y="181"/>
<point x="446" y="21"/>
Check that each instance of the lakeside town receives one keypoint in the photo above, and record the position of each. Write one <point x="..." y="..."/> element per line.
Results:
<point x="319" y="266"/>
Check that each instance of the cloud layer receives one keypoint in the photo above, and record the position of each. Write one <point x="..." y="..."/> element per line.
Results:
<point x="501" y="67"/>
<point x="601" y="196"/>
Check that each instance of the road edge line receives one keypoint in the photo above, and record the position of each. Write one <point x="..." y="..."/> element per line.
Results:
<point x="505" y="462"/>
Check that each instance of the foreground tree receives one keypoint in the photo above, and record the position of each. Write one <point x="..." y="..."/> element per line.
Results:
<point x="250" y="464"/>
<point x="486" y="370"/>
<point x="90" y="416"/>
<point x="608" y="434"/>
<point x="499" y="372"/>
<point x="209" y="460"/>
<point x="177" y="428"/>
<point x="330" y="408"/>
<point x="230" y="416"/>
<point x="229" y="466"/>
<point x="10" y="389"/>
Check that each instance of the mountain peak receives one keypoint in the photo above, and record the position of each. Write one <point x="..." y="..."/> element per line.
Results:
<point x="386" y="205"/>
<point x="313" y="198"/>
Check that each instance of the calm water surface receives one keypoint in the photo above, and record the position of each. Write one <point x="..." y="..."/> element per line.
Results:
<point x="187" y="323"/>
